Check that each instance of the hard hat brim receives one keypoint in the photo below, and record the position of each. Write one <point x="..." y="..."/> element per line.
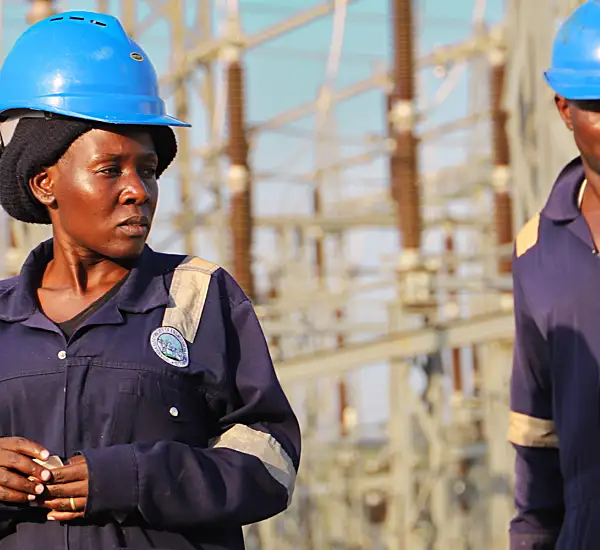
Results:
<point x="108" y="118"/>
<point x="574" y="86"/>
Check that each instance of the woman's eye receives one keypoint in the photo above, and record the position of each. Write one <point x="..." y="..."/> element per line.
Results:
<point x="148" y="172"/>
<point x="113" y="171"/>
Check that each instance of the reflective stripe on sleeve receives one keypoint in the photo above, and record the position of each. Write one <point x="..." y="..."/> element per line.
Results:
<point x="187" y="294"/>
<point x="529" y="431"/>
<point x="266" y="448"/>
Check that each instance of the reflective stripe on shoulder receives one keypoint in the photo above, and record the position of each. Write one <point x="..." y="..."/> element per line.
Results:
<point x="529" y="431"/>
<point x="266" y="448"/>
<point x="187" y="294"/>
<point x="528" y="236"/>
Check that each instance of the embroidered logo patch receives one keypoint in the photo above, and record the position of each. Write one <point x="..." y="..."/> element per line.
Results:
<point x="170" y="346"/>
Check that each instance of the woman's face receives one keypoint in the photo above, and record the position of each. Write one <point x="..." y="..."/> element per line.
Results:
<point x="102" y="193"/>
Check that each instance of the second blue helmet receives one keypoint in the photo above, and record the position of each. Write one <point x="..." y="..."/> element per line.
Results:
<point x="575" y="70"/>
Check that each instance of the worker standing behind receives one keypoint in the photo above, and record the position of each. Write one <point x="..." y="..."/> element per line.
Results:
<point x="555" y="387"/>
<point x="139" y="407"/>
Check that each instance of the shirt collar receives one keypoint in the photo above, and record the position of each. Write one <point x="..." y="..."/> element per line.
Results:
<point x="562" y="202"/>
<point x="145" y="288"/>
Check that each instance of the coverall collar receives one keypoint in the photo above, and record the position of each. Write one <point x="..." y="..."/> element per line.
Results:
<point x="562" y="202"/>
<point x="145" y="288"/>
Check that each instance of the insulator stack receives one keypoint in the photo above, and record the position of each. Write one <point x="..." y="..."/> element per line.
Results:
<point x="404" y="176"/>
<point x="477" y="389"/>
<point x="102" y="6"/>
<point x="275" y="346"/>
<point x="501" y="156"/>
<point x="129" y="17"/>
<point x="343" y="407"/>
<point x="319" y="258"/>
<point x="393" y="160"/>
<point x="404" y="65"/>
<point x="339" y="316"/>
<point x="457" y="377"/>
<point x="499" y="116"/>
<point x="503" y="207"/>
<point x="239" y="179"/>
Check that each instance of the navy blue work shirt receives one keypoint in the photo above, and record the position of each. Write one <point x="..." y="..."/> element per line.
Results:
<point x="169" y="392"/>
<point x="555" y="386"/>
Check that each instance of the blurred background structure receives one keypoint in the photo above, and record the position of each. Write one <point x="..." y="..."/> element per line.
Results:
<point x="361" y="167"/>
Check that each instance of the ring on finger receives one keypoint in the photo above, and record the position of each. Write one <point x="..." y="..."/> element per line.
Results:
<point x="73" y="507"/>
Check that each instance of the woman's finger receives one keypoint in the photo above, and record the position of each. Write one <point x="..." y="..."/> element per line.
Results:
<point x="12" y="496"/>
<point x="64" y="504"/>
<point x="12" y="460"/>
<point x="24" y="446"/>
<point x="72" y="472"/>
<point x="66" y="490"/>
<point x="16" y="482"/>
<point x="64" y="516"/>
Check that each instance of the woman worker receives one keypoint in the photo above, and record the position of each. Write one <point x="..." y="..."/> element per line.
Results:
<point x="145" y="374"/>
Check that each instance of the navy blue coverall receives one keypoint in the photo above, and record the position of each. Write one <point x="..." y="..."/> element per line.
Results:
<point x="555" y="387"/>
<point x="169" y="392"/>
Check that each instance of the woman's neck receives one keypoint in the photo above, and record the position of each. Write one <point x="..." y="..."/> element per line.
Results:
<point x="81" y="270"/>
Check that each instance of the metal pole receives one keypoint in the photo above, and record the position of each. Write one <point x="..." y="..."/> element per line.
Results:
<point x="184" y="161"/>
<point x="129" y="16"/>
<point x="405" y="194"/>
<point x="215" y="109"/>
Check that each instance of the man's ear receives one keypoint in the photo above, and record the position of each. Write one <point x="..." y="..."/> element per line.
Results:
<point x="564" y="109"/>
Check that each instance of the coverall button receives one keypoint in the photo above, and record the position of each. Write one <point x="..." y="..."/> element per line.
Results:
<point x="62" y="354"/>
<point x="173" y="411"/>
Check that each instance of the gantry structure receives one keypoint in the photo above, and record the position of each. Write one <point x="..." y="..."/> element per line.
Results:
<point x="438" y="307"/>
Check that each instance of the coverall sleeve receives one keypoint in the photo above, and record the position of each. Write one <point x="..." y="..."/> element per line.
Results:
<point x="538" y="480"/>
<point x="245" y="476"/>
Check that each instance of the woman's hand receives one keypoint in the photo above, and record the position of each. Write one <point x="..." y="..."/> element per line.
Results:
<point x="66" y="494"/>
<point x="16" y="466"/>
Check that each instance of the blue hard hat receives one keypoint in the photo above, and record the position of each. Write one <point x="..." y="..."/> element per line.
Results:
<point x="82" y="64"/>
<point x="575" y="71"/>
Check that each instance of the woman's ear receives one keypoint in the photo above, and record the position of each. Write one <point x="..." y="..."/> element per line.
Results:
<point x="42" y="187"/>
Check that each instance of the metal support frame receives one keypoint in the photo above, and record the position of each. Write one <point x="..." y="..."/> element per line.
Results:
<point x="407" y="344"/>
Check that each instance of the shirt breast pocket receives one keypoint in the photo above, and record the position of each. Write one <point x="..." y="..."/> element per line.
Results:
<point x="168" y="409"/>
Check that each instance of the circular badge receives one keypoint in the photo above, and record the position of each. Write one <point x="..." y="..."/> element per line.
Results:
<point x="136" y="56"/>
<point x="170" y="346"/>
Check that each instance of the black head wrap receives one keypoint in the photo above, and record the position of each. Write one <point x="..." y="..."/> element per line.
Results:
<point x="41" y="142"/>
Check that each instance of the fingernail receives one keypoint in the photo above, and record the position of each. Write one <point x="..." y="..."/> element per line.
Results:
<point x="31" y="497"/>
<point x="45" y="475"/>
<point x="39" y="489"/>
<point x="51" y="518"/>
<point x="44" y="454"/>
